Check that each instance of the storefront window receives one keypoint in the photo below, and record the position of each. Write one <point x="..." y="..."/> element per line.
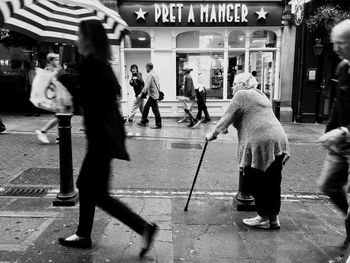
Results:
<point x="140" y="39"/>
<point x="207" y="72"/>
<point x="236" y="61"/>
<point x="199" y="39"/>
<point x="263" y="39"/>
<point x="236" y="39"/>
<point x="263" y="65"/>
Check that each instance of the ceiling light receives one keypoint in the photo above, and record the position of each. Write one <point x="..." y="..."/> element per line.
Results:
<point x="142" y="38"/>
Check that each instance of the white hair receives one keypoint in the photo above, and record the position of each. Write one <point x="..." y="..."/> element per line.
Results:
<point x="343" y="28"/>
<point x="247" y="78"/>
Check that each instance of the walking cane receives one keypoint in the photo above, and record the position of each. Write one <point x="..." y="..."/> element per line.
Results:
<point x="195" y="177"/>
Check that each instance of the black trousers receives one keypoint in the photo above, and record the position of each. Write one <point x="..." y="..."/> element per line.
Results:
<point x="266" y="187"/>
<point x="151" y="103"/>
<point x="2" y="126"/>
<point x="202" y="107"/>
<point x="93" y="190"/>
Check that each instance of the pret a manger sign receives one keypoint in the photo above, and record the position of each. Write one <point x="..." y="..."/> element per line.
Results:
<point x="202" y="13"/>
<point x="208" y="13"/>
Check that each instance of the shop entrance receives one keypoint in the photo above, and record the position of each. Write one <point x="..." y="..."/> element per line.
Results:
<point x="263" y="65"/>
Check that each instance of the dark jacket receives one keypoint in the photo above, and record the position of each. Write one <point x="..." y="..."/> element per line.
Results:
<point x="189" y="87"/>
<point x="340" y="113"/>
<point x="103" y="123"/>
<point x="137" y="83"/>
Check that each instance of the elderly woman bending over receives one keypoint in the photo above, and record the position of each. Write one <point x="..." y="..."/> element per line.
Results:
<point x="262" y="151"/>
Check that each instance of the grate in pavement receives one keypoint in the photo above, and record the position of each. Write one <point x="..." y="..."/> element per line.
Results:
<point x="23" y="191"/>
<point x="178" y="145"/>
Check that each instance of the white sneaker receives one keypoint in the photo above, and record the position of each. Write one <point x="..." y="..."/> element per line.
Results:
<point x="3" y="131"/>
<point x="182" y="120"/>
<point x="42" y="137"/>
<point x="258" y="222"/>
<point x="197" y="123"/>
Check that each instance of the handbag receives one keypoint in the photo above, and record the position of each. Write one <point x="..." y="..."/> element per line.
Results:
<point x="161" y="93"/>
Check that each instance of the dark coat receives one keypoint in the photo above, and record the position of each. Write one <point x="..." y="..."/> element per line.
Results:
<point x="340" y="113"/>
<point x="189" y="88"/>
<point x="99" y="89"/>
<point x="137" y="83"/>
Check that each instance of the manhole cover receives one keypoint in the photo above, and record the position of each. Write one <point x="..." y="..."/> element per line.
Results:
<point x="23" y="191"/>
<point x="178" y="145"/>
<point x="38" y="176"/>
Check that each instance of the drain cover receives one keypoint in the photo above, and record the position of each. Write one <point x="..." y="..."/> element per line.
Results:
<point x="180" y="145"/>
<point x="23" y="191"/>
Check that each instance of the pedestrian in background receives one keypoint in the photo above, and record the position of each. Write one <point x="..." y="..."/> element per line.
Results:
<point x="335" y="172"/>
<point x="31" y="109"/>
<point x="201" y="95"/>
<point x="152" y="90"/>
<point x="105" y="139"/>
<point x="3" y="129"/>
<point x="189" y="97"/>
<point x="53" y="65"/>
<point x="263" y="147"/>
<point x="137" y="83"/>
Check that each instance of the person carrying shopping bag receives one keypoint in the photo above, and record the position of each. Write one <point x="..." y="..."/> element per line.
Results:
<point x="262" y="151"/>
<point x="105" y="136"/>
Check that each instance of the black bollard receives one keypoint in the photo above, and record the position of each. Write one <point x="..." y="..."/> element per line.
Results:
<point x="244" y="201"/>
<point x="67" y="195"/>
<point x="277" y="108"/>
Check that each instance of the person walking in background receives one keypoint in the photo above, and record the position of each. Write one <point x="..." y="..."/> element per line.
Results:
<point x="3" y="129"/>
<point x="152" y="89"/>
<point x="53" y="64"/>
<point x="335" y="172"/>
<point x="137" y="83"/>
<point x="201" y="95"/>
<point x="31" y="109"/>
<point x="255" y="74"/>
<point x="263" y="148"/>
<point x="189" y="98"/>
<point x="105" y="139"/>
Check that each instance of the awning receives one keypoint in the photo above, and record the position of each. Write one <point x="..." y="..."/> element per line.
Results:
<point x="58" y="21"/>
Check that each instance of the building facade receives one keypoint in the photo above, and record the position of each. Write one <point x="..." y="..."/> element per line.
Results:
<point x="217" y="39"/>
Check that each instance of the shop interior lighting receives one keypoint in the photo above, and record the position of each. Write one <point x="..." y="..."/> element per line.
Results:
<point x="142" y="38"/>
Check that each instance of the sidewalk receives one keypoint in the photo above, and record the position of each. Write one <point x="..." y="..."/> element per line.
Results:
<point x="297" y="132"/>
<point x="211" y="231"/>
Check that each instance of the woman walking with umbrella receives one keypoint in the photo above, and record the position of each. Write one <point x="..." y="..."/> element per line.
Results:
<point x="263" y="148"/>
<point x="105" y="139"/>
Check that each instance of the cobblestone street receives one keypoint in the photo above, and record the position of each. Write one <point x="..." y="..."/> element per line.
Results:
<point x="211" y="231"/>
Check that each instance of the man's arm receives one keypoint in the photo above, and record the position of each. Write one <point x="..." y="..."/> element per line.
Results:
<point x="147" y="84"/>
<point x="333" y="118"/>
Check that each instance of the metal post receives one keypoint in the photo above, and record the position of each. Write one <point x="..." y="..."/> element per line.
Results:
<point x="67" y="195"/>
<point x="277" y="108"/>
<point x="244" y="201"/>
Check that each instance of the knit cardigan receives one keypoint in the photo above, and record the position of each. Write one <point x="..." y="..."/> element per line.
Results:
<point x="260" y="135"/>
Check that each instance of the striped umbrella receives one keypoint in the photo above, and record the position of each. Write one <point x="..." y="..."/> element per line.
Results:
<point x="58" y="20"/>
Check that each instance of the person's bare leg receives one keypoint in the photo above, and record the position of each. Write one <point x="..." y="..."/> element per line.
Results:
<point x="51" y="124"/>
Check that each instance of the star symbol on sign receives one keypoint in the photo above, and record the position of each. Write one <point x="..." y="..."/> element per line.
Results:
<point x="140" y="14"/>
<point x="261" y="14"/>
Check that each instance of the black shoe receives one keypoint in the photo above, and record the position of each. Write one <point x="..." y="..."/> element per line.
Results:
<point x="37" y="114"/>
<point x="191" y="124"/>
<point x="156" y="127"/>
<point x="79" y="243"/>
<point x="29" y="114"/>
<point x="143" y="123"/>
<point x="148" y="235"/>
<point x="206" y="120"/>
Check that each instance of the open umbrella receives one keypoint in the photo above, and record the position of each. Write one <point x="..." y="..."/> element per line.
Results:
<point x="58" y="21"/>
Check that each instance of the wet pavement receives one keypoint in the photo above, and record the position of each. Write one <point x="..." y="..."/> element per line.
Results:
<point x="211" y="231"/>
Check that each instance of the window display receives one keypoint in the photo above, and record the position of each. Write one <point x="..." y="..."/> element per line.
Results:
<point x="207" y="71"/>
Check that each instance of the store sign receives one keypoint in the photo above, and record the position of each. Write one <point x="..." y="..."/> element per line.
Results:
<point x="202" y="14"/>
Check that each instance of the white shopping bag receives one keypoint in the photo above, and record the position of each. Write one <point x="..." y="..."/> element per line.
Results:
<point x="48" y="93"/>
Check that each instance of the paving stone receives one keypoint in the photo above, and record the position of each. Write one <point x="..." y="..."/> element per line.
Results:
<point x="274" y="246"/>
<point x="211" y="212"/>
<point x="197" y="243"/>
<point x="28" y="204"/>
